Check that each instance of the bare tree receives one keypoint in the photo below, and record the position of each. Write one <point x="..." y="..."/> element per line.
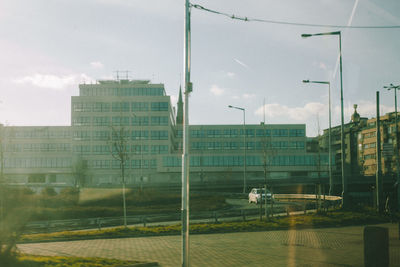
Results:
<point x="79" y="169"/>
<point x="119" y="151"/>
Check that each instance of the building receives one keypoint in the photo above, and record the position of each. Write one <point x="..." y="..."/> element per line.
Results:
<point x="360" y="148"/>
<point x="367" y="146"/>
<point x="139" y="115"/>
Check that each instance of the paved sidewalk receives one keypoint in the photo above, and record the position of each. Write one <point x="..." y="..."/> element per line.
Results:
<point x="309" y="247"/>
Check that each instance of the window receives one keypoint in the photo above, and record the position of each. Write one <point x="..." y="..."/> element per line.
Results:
<point x="81" y="135"/>
<point x="136" y="135"/>
<point x="140" y="121"/>
<point x="153" y="163"/>
<point x="81" y="121"/>
<point x="82" y="107"/>
<point x="250" y="132"/>
<point x="120" y="121"/>
<point x="214" y="133"/>
<point x="159" y="120"/>
<point x="136" y="163"/>
<point x="101" y="121"/>
<point x="120" y="107"/>
<point x="260" y="132"/>
<point x="370" y="156"/>
<point x="118" y="134"/>
<point x="100" y="164"/>
<point x="296" y="132"/>
<point x="101" y="107"/>
<point x="279" y="132"/>
<point x="101" y="135"/>
<point x="159" y="135"/>
<point x="101" y="149"/>
<point x="197" y="133"/>
<point x="179" y="133"/>
<point x="140" y="106"/>
<point x="159" y="106"/>
<point x="82" y="149"/>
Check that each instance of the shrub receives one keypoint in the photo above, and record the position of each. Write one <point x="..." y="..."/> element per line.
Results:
<point x="49" y="191"/>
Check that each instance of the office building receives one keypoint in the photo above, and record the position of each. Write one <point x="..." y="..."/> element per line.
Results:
<point x="139" y="116"/>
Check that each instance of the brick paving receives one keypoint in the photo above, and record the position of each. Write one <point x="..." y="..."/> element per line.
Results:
<point x="306" y="248"/>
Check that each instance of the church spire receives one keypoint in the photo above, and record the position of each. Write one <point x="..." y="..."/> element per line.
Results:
<point x="179" y="114"/>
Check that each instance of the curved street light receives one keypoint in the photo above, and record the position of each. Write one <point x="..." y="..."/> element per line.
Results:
<point x="329" y="133"/>
<point x="395" y="88"/>
<point x="344" y="180"/>
<point x="245" y="145"/>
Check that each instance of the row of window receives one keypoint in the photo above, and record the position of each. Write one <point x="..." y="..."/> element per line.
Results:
<point x="249" y="145"/>
<point x="121" y="121"/>
<point x="369" y="135"/>
<point x="43" y="147"/>
<point x="122" y="91"/>
<point x="119" y="106"/>
<point x="134" y="135"/>
<point x="369" y="156"/>
<point x="129" y="164"/>
<point x="231" y="161"/>
<point x="371" y="145"/>
<point x="38" y="133"/>
<point x="37" y="163"/>
<point x="134" y="149"/>
<point x="222" y="133"/>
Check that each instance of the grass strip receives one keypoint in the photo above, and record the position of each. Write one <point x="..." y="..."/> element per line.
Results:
<point x="59" y="261"/>
<point x="331" y="219"/>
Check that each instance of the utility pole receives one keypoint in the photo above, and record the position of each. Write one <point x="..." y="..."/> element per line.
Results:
<point x="396" y="147"/>
<point x="379" y="182"/>
<point x="185" y="155"/>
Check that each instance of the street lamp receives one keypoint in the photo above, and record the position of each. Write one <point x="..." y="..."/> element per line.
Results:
<point x="395" y="88"/>
<point x="330" y="136"/>
<point x="245" y="145"/>
<point x="344" y="181"/>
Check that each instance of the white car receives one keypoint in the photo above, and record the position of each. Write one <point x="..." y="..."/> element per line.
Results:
<point x="257" y="195"/>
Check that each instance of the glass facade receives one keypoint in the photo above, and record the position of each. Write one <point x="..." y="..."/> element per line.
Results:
<point x="139" y="117"/>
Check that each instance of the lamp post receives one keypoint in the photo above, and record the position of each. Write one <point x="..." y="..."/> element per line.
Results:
<point x="344" y="181"/>
<point x="329" y="132"/>
<point x="185" y="154"/>
<point x="395" y="88"/>
<point x="245" y="145"/>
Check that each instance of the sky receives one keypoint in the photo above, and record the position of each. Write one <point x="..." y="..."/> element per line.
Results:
<point x="49" y="47"/>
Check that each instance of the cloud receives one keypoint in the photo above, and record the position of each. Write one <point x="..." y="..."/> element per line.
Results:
<point x="248" y="95"/>
<point x="235" y="97"/>
<point x="230" y="74"/>
<point x="322" y="65"/>
<point x="50" y="81"/>
<point x="96" y="65"/>
<point x="295" y="113"/>
<point x="241" y="63"/>
<point x="215" y="90"/>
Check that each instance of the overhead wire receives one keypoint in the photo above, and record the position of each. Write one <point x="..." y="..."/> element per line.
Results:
<point x="249" y="19"/>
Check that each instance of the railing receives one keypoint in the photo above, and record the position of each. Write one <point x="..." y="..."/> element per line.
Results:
<point x="174" y="218"/>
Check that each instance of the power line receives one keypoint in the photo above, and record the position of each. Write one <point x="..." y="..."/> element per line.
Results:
<point x="249" y="19"/>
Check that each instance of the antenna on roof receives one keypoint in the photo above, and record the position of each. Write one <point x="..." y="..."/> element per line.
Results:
<point x="264" y="110"/>
<point x="127" y="74"/>
<point x="117" y="72"/>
